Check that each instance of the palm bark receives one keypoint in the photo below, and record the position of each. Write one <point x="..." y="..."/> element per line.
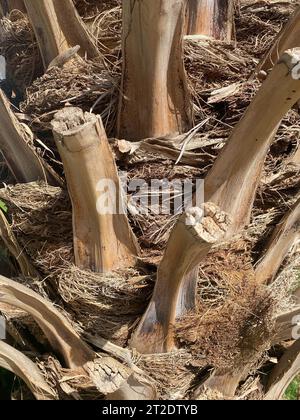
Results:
<point x="103" y="240"/>
<point x="213" y="18"/>
<point x="154" y="100"/>
<point x="280" y="243"/>
<point x="58" y="28"/>
<point x="188" y="244"/>
<point x="22" y="160"/>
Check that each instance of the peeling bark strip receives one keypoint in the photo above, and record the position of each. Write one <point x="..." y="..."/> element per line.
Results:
<point x="60" y="334"/>
<point x="232" y="182"/>
<point x="22" y="160"/>
<point x="213" y="18"/>
<point x="288" y="38"/>
<point x="110" y="376"/>
<point x="284" y="373"/>
<point x="154" y="100"/>
<point x="102" y="242"/>
<point x="190" y="241"/>
<point x="14" y="361"/>
<point x="284" y="237"/>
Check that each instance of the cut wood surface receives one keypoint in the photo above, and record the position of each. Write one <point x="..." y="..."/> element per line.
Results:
<point x="284" y="373"/>
<point x="103" y="239"/>
<point x="60" y="334"/>
<point x="213" y="18"/>
<point x="284" y="237"/>
<point x="119" y="382"/>
<point x="193" y="236"/>
<point x="154" y="100"/>
<point x="19" y="364"/>
<point x="232" y="182"/>
<point x="23" y="162"/>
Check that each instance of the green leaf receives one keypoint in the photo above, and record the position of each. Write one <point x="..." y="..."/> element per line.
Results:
<point x="3" y="207"/>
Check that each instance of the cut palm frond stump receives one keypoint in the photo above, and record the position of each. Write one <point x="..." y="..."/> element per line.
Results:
<point x="108" y="305"/>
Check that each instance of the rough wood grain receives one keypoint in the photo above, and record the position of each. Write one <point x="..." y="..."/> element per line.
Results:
<point x="60" y="334"/>
<point x="193" y="236"/>
<point x="283" y="238"/>
<point x="232" y="182"/>
<point x="14" y="361"/>
<point x="154" y="100"/>
<point x="284" y="373"/>
<point x="22" y="160"/>
<point x="213" y="18"/>
<point x="103" y="239"/>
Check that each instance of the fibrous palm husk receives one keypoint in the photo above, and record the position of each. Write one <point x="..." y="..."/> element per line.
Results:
<point x="230" y="304"/>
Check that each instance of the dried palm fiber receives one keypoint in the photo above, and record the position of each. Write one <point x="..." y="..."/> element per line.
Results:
<point x="260" y="21"/>
<point x="87" y="85"/>
<point x="210" y="65"/>
<point x="21" y="52"/>
<point x="108" y="304"/>
<point x="234" y="315"/>
<point x="104" y="20"/>
<point x="67" y="384"/>
<point x="89" y="8"/>
<point x="42" y="222"/>
<point x="41" y="219"/>
<point x="174" y="373"/>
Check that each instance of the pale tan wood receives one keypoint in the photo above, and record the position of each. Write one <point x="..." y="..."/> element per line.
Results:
<point x="60" y="334"/>
<point x="287" y="325"/>
<point x="74" y="28"/>
<point x="222" y="381"/>
<point x="295" y="158"/>
<point x="212" y="18"/>
<point x="50" y="36"/>
<point x="23" y="162"/>
<point x="136" y="388"/>
<point x="190" y="241"/>
<point x="119" y="382"/>
<point x="14" y="361"/>
<point x="287" y="38"/>
<point x="102" y="242"/>
<point x="154" y="100"/>
<point x="290" y="168"/>
<point x="232" y="182"/>
<point x="284" y="373"/>
<point x="284" y="237"/>
<point x="110" y="376"/>
<point x="59" y="29"/>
